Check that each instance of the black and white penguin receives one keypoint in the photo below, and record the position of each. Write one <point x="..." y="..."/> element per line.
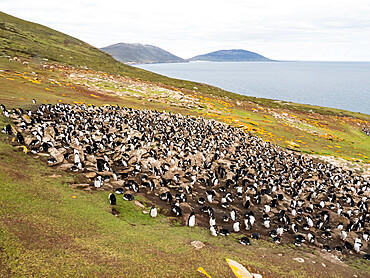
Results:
<point x="153" y="212"/>
<point x="213" y="230"/>
<point x="311" y="238"/>
<point x="191" y="220"/>
<point x="224" y="232"/>
<point x="255" y="235"/>
<point x="326" y="248"/>
<point x="128" y="197"/>
<point x="236" y="227"/>
<point x="212" y="221"/>
<point x="357" y="245"/>
<point x="245" y="241"/>
<point x="233" y="215"/>
<point x="176" y="210"/>
<point x="112" y="199"/>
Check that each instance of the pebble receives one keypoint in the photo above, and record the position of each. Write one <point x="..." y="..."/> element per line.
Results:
<point x="300" y="260"/>
<point x="197" y="244"/>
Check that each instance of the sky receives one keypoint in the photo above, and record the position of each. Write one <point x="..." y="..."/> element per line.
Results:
<point x="316" y="30"/>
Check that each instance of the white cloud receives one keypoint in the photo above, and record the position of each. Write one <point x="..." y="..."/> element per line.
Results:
<point x="285" y="29"/>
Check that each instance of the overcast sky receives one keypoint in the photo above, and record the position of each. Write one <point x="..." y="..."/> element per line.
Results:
<point x="329" y="30"/>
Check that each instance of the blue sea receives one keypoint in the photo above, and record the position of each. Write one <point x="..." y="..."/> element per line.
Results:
<point x="343" y="85"/>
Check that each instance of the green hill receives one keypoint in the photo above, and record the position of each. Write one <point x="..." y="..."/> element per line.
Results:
<point x="136" y="53"/>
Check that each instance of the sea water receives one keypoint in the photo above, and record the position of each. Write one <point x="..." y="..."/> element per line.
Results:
<point x="343" y="85"/>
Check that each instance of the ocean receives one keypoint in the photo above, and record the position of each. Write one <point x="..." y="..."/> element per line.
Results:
<point x="343" y="85"/>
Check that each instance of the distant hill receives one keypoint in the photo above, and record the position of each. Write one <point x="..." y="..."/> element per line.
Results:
<point x="233" y="55"/>
<point x="136" y="53"/>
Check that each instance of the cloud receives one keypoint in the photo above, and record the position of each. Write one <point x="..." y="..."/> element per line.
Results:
<point x="188" y="28"/>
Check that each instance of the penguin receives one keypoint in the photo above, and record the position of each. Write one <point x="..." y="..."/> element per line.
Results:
<point x="128" y="197"/>
<point x="225" y="218"/>
<point x="98" y="182"/>
<point x="213" y="230"/>
<point x="153" y="212"/>
<point x="191" y="220"/>
<point x="20" y="138"/>
<point x="236" y="226"/>
<point x="326" y="248"/>
<point x="311" y="238"/>
<point x="295" y="228"/>
<point x="201" y="201"/>
<point x="245" y="240"/>
<point x="212" y="221"/>
<point x="224" y="232"/>
<point x="176" y="210"/>
<point x="119" y="190"/>
<point x="255" y="236"/>
<point x="112" y="199"/>
<point x="233" y="215"/>
<point x="279" y="231"/>
<point x="357" y="245"/>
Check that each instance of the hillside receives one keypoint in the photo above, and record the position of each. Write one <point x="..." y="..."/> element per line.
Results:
<point x="136" y="53"/>
<point x="233" y="55"/>
<point x="54" y="222"/>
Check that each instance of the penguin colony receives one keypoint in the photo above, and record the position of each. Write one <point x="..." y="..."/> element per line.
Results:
<point x="209" y="173"/>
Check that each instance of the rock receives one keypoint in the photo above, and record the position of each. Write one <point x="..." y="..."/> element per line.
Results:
<point x="56" y="154"/>
<point x="55" y="176"/>
<point x="140" y="205"/>
<point x="186" y="208"/>
<point x="118" y="183"/>
<point x="65" y="166"/>
<point x="300" y="260"/>
<point x="26" y="118"/>
<point x="197" y="244"/>
<point x="90" y="175"/>
<point x="28" y="139"/>
<point x="91" y="158"/>
<point x="49" y="132"/>
<point x="163" y="190"/>
<point x="79" y="185"/>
